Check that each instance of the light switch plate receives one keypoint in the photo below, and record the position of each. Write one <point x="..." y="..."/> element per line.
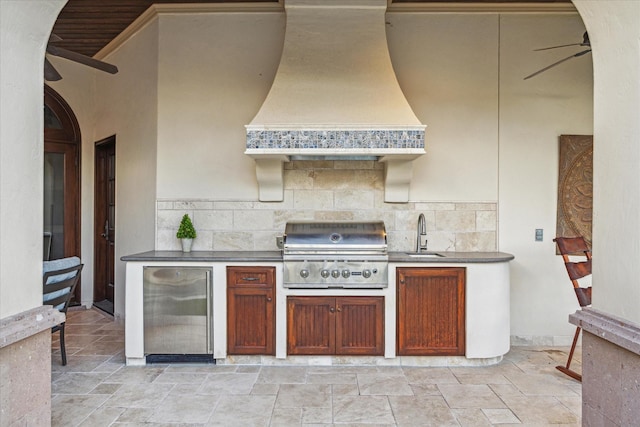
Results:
<point x="539" y="234"/>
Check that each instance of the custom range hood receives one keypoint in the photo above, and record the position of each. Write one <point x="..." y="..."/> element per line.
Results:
<point x="335" y="96"/>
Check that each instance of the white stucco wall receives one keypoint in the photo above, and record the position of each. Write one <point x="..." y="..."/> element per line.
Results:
<point x="24" y="31"/>
<point x="128" y="107"/>
<point x="614" y="27"/>
<point x="214" y="72"/>
<point x="533" y="113"/>
<point x="450" y="78"/>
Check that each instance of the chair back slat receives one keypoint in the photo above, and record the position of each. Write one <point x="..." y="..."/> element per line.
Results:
<point x="58" y="286"/>
<point x="578" y="270"/>
<point x="573" y="246"/>
<point x="584" y="296"/>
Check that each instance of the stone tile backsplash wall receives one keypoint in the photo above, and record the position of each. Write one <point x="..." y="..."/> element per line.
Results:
<point x="328" y="191"/>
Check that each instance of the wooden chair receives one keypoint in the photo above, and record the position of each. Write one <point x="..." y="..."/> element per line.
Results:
<point x="58" y="285"/>
<point x="575" y="246"/>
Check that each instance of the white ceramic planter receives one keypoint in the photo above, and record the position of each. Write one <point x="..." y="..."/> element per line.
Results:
<point x="186" y="244"/>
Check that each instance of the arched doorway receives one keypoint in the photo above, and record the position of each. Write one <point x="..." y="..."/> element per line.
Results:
<point x="61" y="180"/>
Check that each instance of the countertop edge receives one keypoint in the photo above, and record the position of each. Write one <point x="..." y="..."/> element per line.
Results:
<point x="276" y="256"/>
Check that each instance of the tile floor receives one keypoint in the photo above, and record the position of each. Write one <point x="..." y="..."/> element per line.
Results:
<point x="97" y="389"/>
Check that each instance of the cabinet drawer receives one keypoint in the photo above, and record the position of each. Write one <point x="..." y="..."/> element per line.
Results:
<point x="250" y="276"/>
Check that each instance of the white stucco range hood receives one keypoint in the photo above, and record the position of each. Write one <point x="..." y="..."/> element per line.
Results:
<point x="335" y="96"/>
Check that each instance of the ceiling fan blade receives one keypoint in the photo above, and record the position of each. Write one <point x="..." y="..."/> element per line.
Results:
<point x="555" y="47"/>
<point x="50" y="73"/>
<point x="82" y="59"/>
<point x="558" y="63"/>
<point x="54" y="38"/>
<point x="585" y="42"/>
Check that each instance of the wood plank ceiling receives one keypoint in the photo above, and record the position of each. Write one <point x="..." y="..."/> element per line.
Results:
<point x="86" y="26"/>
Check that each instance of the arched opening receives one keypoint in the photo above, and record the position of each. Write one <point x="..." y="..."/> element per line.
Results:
<point x="61" y="194"/>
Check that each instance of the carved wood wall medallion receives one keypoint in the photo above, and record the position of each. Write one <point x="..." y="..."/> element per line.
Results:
<point x="575" y="187"/>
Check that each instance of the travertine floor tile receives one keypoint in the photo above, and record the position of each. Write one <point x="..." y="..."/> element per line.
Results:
<point x="77" y="382"/>
<point x="430" y="376"/>
<point x="422" y="411"/>
<point x="228" y="383"/>
<point x="68" y="410"/>
<point x="362" y="409"/>
<point x="184" y="408"/>
<point x="282" y="375"/>
<point x="331" y="378"/>
<point x="286" y="417"/>
<point x="471" y="417"/>
<point x="525" y="389"/>
<point x="135" y="375"/>
<point x="251" y="410"/>
<point x="141" y="395"/>
<point x="103" y="416"/>
<point x="304" y="396"/>
<point x="470" y="396"/>
<point x="317" y="415"/>
<point x="501" y="416"/>
<point x="540" y="409"/>
<point x="382" y="384"/>
<point x="540" y="385"/>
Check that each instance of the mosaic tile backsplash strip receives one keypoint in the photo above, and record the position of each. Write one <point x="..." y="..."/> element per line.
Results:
<point x="328" y="191"/>
<point x="334" y="139"/>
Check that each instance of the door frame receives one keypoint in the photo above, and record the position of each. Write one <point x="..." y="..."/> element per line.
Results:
<point x="67" y="140"/>
<point x="101" y="277"/>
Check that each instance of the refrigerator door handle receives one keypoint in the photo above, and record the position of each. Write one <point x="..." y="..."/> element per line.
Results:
<point x="209" y="311"/>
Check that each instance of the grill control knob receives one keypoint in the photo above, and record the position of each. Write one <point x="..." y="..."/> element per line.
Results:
<point x="366" y="273"/>
<point x="304" y="273"/>
<point x="335" y="273"/>
<point x="325" y="273"/>
<point x="346" y="273"/>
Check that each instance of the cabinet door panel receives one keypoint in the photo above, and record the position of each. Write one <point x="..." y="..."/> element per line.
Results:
<point x="431" y="311"/>
<point x="250" y="321"/>
<point x="311" y="325"/>
<point x="359" y="329"/>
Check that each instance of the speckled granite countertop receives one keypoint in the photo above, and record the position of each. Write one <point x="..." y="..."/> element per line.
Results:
<point x="276" y="256"/>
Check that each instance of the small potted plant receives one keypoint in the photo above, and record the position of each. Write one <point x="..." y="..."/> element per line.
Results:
<point x="186" y="233"/>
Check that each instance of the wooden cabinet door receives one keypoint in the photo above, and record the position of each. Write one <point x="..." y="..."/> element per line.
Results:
<point x="335" y="325"/>
<point x="430" y="311"/>
<point x="359" y="328"/>
<point x="311" y="325"/>
<point x="250" y="310"/>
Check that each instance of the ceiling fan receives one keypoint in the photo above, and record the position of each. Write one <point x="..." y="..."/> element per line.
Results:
<point x="585" y="43"/>
<point x="52" y="75"/>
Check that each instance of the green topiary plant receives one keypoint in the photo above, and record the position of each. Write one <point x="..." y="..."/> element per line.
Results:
<point x="186" y="230"/>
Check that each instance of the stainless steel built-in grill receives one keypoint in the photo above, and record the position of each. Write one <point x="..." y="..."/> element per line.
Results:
<point x="335" y="255"/>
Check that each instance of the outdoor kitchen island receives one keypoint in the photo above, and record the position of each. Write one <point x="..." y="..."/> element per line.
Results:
<point x="485" y="315"/>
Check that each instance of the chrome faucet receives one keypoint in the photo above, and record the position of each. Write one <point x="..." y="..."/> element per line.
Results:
<point x="421" y="235"/>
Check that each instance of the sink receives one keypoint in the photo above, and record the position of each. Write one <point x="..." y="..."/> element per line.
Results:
<point x="424" y="255"/>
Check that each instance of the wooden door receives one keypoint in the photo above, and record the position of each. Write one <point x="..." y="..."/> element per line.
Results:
<point x="359" y="325"/>
<point x="311" y="325"/>
<point x="430" y="311"/>
<point x="104" y="223"/>
<point x="61" y="190"/>
<point x="251" y="310"/>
